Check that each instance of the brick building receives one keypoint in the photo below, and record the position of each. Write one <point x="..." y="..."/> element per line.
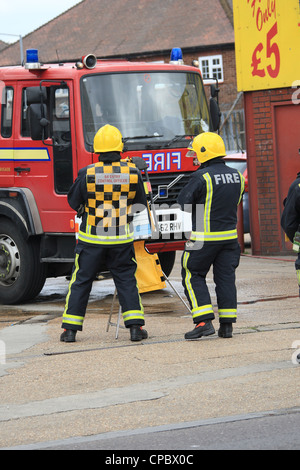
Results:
<point x="273" y="130"/>
<point x="267" y="69"/>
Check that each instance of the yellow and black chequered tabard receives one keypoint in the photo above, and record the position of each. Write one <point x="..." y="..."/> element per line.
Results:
<point x="111" y="190"/>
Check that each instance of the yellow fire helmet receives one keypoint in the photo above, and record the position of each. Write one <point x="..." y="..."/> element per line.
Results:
<point x="207" y="146"/>
<point x="108" y="139"/>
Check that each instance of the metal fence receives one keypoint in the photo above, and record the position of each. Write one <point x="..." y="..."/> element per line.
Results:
<point x="233" y="130"/>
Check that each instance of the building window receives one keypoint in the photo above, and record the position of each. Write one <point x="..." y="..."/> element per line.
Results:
<point x="211" y="68"/>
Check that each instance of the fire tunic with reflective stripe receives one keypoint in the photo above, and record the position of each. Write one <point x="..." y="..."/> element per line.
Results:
<point x="219" y="189"/>
<point x="108" y="190"/>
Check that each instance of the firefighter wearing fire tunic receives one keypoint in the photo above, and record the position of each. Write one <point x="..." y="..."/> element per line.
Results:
<point x="106" y="192"/>
<point x="290" y="222"/>
<point x="212" y="195"/>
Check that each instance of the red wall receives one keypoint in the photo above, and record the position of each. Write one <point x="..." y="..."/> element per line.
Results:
<point x="273" y="143"/>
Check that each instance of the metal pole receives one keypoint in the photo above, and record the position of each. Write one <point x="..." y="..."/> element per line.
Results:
<point x="21" y="50"/>
<point x="176" y="292"/>
<point x="21" y="44"/>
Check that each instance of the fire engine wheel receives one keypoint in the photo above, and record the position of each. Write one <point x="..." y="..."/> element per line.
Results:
<point x="22" y="276"/>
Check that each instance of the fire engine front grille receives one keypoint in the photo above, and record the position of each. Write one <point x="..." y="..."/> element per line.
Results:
<point x="166" y="180"/>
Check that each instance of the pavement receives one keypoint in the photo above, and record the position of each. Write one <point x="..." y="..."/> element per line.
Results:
<point x="53" y="392"/>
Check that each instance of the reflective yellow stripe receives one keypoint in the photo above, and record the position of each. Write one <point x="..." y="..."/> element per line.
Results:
<point x="73" y="319"/>
<point x="88" y="238"/>
<point x="133" y="315"/>
<point x="187" y="281"/>
<point x="214" y="236"/>
<point x="25" y="154"/>
<point x="242" y="187"/>
<point x="208" y="201"/>
<point x="203" y="310"/>
<point x="227" y="312"/>
<point x="6" y="154"/>
<point x="65" y="315"/>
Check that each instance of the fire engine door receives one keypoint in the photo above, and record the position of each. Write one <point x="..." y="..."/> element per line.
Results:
<point x="46" y="166"/>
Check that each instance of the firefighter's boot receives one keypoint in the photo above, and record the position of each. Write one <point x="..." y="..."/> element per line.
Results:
<point x="201" y="329"/>
<point x="68" y="336"/>
<point x="137" y="333"/>
<point x="225" y="330"/>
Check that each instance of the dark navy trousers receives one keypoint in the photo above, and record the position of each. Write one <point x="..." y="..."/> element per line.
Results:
<point x="91" y="259"/>
<point x="224" y="258"/>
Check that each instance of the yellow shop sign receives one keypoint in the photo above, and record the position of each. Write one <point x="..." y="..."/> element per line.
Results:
<point x="267" y="43"/>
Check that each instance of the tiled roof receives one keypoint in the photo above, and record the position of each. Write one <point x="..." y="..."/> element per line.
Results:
<point x="3" y="45"/>
<point x="122" y="27"/>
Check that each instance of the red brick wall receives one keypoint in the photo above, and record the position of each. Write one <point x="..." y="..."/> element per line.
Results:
<point x="266" y="232"/>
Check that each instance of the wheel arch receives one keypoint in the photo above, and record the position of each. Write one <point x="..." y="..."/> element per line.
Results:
<point x="19" y="205"/>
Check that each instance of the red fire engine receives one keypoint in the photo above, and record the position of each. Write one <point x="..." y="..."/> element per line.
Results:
<point x="49" y="116"/>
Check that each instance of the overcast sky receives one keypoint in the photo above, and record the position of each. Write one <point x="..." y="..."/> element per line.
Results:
<point x="21" y="17"/>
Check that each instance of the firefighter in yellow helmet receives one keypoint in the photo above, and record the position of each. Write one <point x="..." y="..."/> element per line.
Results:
<point x="212" y="196"/>
<point x="105" y="192"/>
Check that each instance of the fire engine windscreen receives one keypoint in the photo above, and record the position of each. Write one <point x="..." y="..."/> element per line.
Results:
<point x="147" y="106"/>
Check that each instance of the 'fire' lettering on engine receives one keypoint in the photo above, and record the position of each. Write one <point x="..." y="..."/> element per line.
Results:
<point x="168" y="161"/>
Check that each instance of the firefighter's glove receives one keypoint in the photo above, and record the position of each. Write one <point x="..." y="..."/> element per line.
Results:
<point x="81" y="210"/>
<point x="296" y="242"/>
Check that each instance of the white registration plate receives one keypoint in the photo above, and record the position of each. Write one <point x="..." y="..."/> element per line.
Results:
<point x="170" y="227"/>
<point x="173" y="221"/>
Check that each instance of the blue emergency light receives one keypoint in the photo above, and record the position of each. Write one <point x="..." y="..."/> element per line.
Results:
<point x="176" y="56"/>
<point x="32" y="59"/>
<point x="32" y="55"/>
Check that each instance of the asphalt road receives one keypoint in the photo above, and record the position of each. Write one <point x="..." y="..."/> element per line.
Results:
<point x="277" y="430"/>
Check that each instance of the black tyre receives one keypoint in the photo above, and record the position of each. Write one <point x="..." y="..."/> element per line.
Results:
<point x="167" y="261"/>
<point x="22" y="276"/>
